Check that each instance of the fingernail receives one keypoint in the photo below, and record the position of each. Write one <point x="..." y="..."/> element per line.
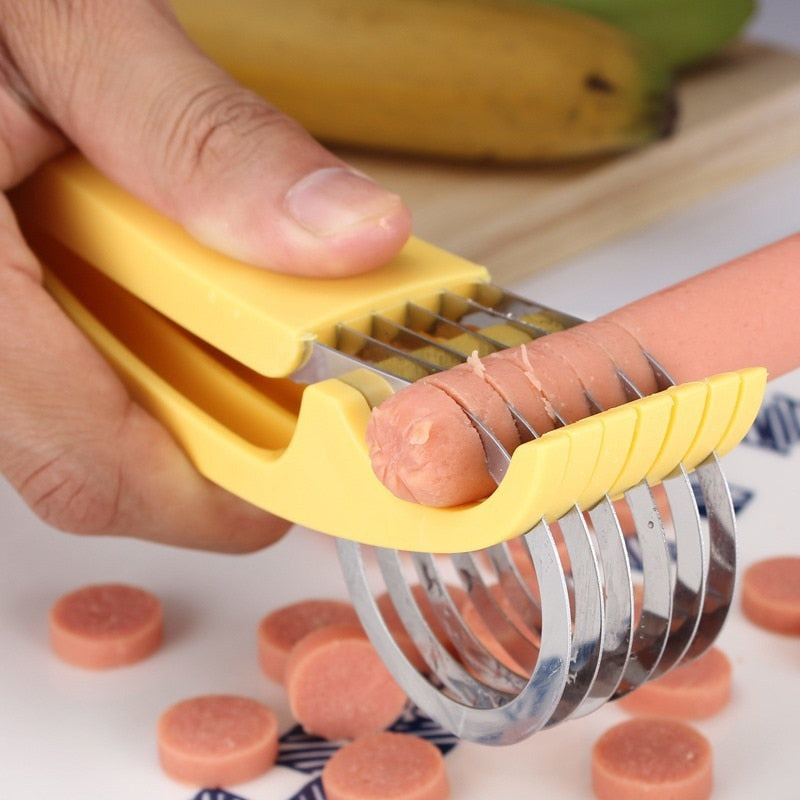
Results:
<point x="333" y="199"/>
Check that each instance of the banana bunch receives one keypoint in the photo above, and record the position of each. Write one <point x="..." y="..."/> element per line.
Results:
<point x="682" y="32"/>
<point x="504" y="81"/>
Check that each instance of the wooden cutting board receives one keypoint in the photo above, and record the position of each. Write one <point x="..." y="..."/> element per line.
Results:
<point x="739" y="115"/>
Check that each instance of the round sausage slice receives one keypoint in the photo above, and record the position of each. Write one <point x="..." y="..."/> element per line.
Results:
<point x="386" y="766"/>
<point x="771" y="594"/>
<point x="106" y="625"/>
<point x="217" y="740"/>
<point x="283" y="628"/>
<point x="695" y="690"/>
<point x="338" y="686"/>
<point x="657" y="759"/>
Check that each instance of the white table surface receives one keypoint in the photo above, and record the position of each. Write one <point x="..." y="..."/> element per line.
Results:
<point x="65" y="732"/>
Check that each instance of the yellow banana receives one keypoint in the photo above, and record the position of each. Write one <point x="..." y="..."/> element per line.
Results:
<point x="448" y="78"/>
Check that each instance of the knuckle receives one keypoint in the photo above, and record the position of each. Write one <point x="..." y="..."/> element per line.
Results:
<point x="70" y="496"/>
<point x="215" y="125"/>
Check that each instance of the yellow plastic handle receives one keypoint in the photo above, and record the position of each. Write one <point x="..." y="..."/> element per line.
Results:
<point x="262" y="319"/>
<point x="300" y="452"/>
<point x="277" y="449"/>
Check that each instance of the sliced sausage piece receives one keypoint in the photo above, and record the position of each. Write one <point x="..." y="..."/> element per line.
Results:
<point x="283" y="628"/>
<point x="741" y="314"/>
<point x="591" y="365"/>
<point x="217" y="740"/>
<point x="338" y="686"/>
<point x="561" y="390"/>
<point x="657" y="759"/>
<point x="771" y="594"/>
<point x="386" y="766"/>
<point x="622" y="349"/>
<point x="511" y="383"/>
<point x="106" y="625"/>
<point x="695" y="690"/>
<point x="471" y="391"/>
<point x="419" y="449"/>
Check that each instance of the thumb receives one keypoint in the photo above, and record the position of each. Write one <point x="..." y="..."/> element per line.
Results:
<point x="162" y="120"/>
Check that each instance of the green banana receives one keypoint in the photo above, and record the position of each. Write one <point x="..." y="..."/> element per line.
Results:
<point x="683" y="32"/>
<point x="461" y="79"/>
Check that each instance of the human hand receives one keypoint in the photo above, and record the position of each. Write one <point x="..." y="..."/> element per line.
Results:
<point x="122" y="83"/>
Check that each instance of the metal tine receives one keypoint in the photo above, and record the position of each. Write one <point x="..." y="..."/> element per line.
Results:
<point x="619" y="658"/>
<point x="588" y="613"/>
<point x="691" y="568"/>
<point x="500" y="303"/>
<point x="448" y="326"/>
<point x="718" y="548"/>
<point x="383" y="355"/>
<point x="587" y="610"/>
<point x="601" y="665"/>
<point x="469" y="648"/>
<point x="619" y="612"/>
<point x="517" y="589"/>
<point x="497" y="457"/>
<point x="616" y="648"/>
<point x="532" y="709"/>
<point x="663" y="378"/>
<point x="594" y="408"/>
<point x="450" y="673"/>
<point x="652" y="630"/>
<point x="620" y="662"/>
<point x="428" y="320"/>
<point x="722" y="554"/>
<point x="691" y="549"/>
<point x="526" y="431"/>
<point x="330" y="362"/>
<point x="503" y="720"/>
<point x="518" y="646"/>
<point x="414" y="340"/>
<point x="661" y="647"/>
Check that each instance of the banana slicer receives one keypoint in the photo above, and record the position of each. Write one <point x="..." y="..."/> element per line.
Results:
<point x="267" y="382"/>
